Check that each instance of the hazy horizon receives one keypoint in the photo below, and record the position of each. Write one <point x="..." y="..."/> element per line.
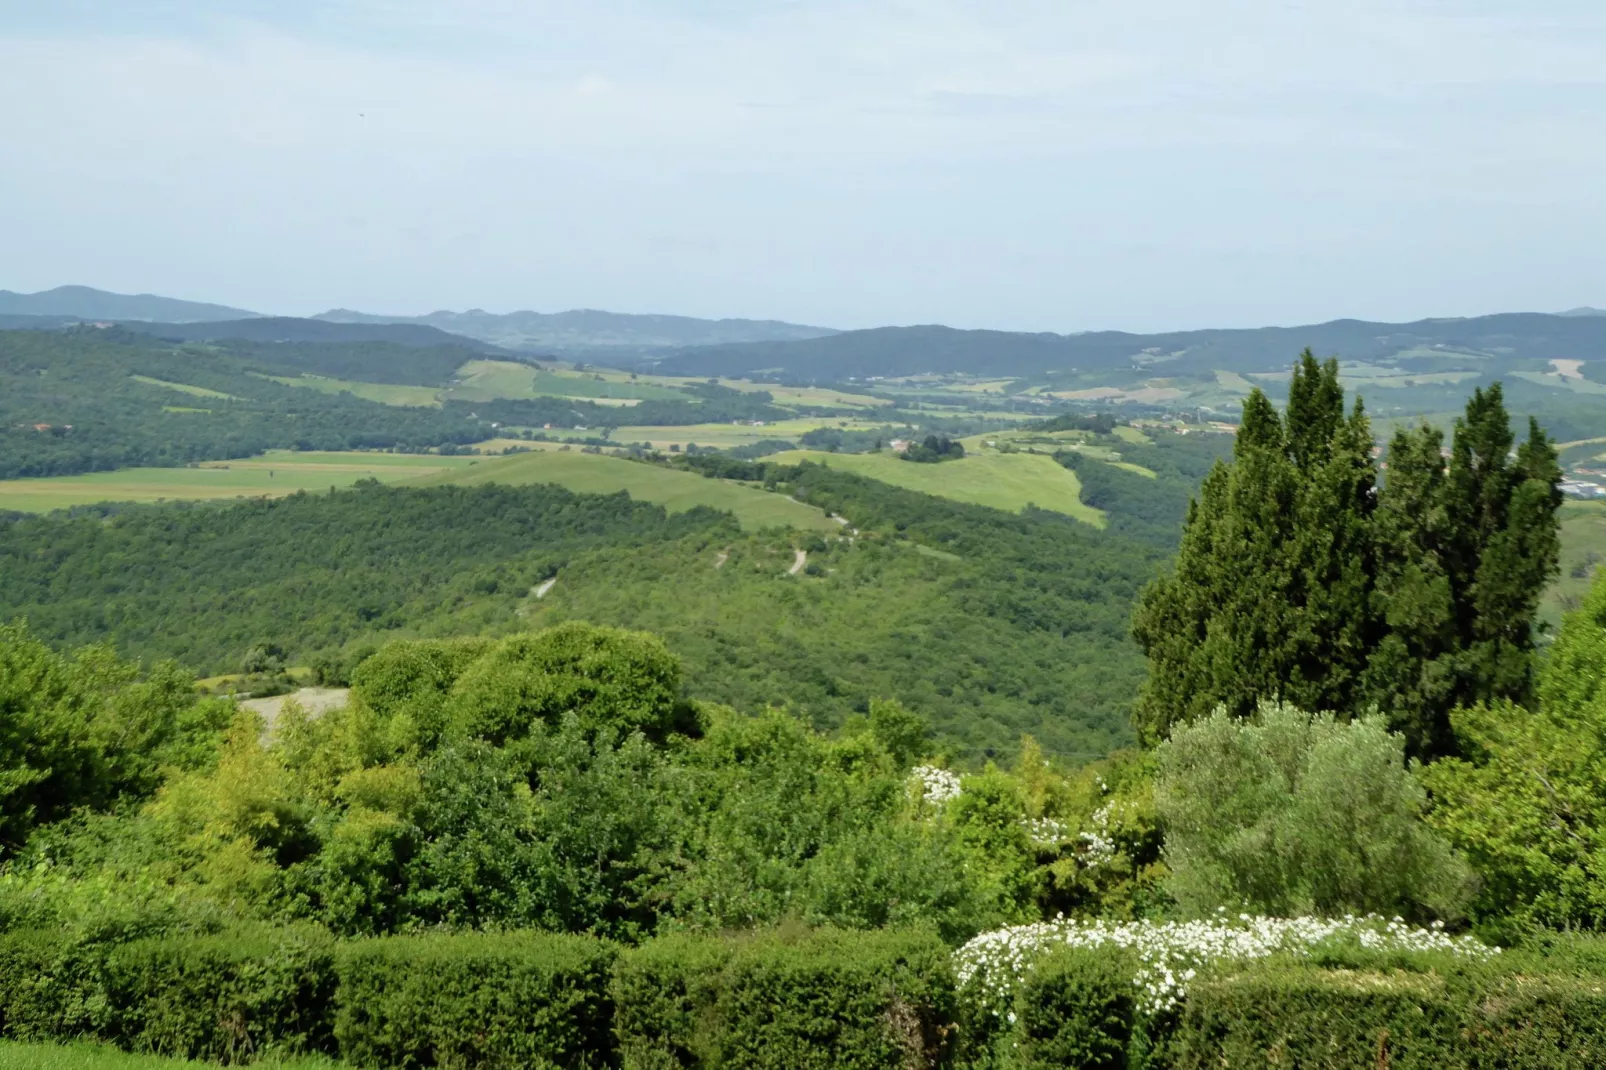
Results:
<point x="1016" y="166"/>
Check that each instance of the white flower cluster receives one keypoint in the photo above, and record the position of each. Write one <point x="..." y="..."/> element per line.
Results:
<point x="1170" y="954"/>
<point x="1098" y="847"/>
<point x="1045" y="830"/>
<point x="937" y="786"/>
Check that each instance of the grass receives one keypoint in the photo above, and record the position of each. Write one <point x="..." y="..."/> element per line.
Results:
<point x="727" y="435"/>
<point x="486" y="380"/>
<point x="593" y="473"/>
<point x="1007" y="481"/>
<point x="384" y="393"/>
<point x="1583" y="549"/>
<point x="81" y="1056"/>
<point x="184" y="388"/>
<point x="272" y="474"/>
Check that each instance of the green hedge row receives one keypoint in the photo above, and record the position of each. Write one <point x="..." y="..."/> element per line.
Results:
<point x="816" y="999"/>
<point x="854" y="1001"/>
<point x="783" y="1001"/>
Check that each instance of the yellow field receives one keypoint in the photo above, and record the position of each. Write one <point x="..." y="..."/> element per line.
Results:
<point x="677" y="491"/>
<point x="384" y="393"/>
<point x="269" y="475"/>
<point x="1007" y="481"/>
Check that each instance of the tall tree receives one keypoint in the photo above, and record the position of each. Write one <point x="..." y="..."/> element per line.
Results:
<point x="1271" y="591"/>
<point x="1300" y="578"/>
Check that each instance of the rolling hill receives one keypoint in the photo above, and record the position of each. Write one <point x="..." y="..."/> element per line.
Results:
<point x="675" y="490"/>
<point x="583" y="330"/>
<point x="87" y="303"/>
<point x="890" y="352"/>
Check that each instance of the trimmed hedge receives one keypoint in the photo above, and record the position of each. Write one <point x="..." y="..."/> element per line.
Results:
<point x="227" y="998"/>
<point x="1301" y="1015"/>
<point x="824" y="999"/>
<point x="476" y="999"/>
<point x="1078" y="1008"/>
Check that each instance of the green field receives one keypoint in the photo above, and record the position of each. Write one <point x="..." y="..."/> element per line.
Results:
<point x="384" y="393"/>
<point x="271" y="474"/>
<point x="1007" y="481"/>
<point x="724" y="436"/>
<point x="1583" y="549"/>
<point x="594" y="473"/>
<point x="184" y="388"/>
<point x="15" y="1056"/>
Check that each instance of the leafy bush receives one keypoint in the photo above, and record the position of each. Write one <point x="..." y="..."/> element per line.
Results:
<point x="229" y="997"/>
<point x="487" y="1000"/>
<point x="1076" y="1009"/>
<point x="1430" y="1016"/>
<point x="825" y="999"/>
<point x="1294" y="813"/>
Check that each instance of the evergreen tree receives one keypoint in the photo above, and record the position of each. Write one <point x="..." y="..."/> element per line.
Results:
<point x="1271" y="591"/>
<point x="1300" y="579"/>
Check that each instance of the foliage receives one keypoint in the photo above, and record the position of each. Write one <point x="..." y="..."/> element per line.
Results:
<point x="88" y="400"/>
<point x="89" y="731"/>
<point x="786" y="1000"/>
<point x="491" y="1000"/>
<point x="933" y="449"/>
<point x="1298" y="579"/>
<point x="1291" y="813"/>
<point x="1527" y="802"/>
<point x="1430" y="1012"/>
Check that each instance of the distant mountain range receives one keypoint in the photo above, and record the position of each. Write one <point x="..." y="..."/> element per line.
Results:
<point x="572" y="333"/>
<point x="85" y="303"/>
<point x="891" y="352"/>
<point x="586" y="329"/>
<point x="291" y="329"/>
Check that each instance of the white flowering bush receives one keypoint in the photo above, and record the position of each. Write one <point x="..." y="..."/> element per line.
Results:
<point x="936" y="786"/>
<point x="1170" y="954"/>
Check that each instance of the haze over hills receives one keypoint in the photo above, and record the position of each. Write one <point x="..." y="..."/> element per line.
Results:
<point x="85" y="302"/>
<point x="582" y="329"/>
<point x="903" y="351"/>
<point x="293" y="329"/>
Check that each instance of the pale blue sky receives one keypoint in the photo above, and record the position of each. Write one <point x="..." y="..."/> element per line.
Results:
<point x="1044" y="165"/>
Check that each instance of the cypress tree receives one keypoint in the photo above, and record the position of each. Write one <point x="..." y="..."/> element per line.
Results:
<point x="1300" y="578"/>
<point x="1271" y="591"/>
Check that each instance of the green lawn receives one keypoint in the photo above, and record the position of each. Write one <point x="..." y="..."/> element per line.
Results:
<point x="1007" y="481"/>
<point x="592" y="473"/>
<point x="271" y="474"/>
<point x="15" y="1056"/>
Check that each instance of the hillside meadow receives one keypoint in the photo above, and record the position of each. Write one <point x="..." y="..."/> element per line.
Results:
<point x="271" y="474"/>
<point x="676" y="491"/>
<point x="1007" y="481"/>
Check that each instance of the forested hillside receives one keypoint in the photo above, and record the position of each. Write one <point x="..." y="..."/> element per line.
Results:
<point x="992" y="625"/>
<point x="89" y="400"/>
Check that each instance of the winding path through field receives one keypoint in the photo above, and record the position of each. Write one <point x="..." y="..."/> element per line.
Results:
<point x="797" y="564"/>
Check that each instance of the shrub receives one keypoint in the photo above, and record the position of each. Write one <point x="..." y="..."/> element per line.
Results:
<point x="825" y="999"/>
<point x="1436" y="1015"/>
<point x="1076" y="1009"/>
<point x="1293" y="813"/>
<point x="487" y="1000"/>
<point x="229" y="997"/>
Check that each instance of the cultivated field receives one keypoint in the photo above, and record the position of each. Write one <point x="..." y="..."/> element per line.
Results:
<point x="1007" y="481"/>
<point x="726" y="435"/>
<point x="269" y="475"/>
<point x="384" y="393"/>
<point x="593" y="473"/>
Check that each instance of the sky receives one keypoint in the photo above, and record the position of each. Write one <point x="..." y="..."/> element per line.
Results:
<point x="1054" y="165"/>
